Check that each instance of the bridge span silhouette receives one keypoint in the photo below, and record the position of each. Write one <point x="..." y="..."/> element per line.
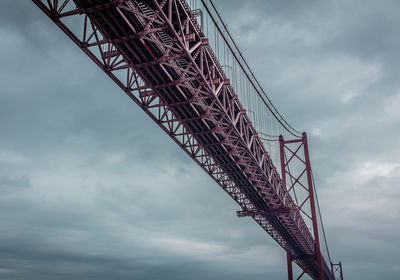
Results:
<point x="178" y="62"/>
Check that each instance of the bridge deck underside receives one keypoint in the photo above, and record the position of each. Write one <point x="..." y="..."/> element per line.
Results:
<point x="185" y="90"/>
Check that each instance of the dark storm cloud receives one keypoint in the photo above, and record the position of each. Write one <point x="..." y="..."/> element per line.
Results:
<point x="92" y="189"/>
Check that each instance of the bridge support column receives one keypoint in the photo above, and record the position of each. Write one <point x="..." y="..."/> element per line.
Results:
<point x="289" y="267"/>
<point x="337" y="270"/>
<point x="290" y="150"/>
<point x="312" y="205"/>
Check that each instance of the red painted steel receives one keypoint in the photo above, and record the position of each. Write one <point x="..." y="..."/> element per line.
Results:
<point x="289" y="266"/>
<point x="337" y="270"/>
<point x="312" y="204"/>
<point x="156" y="52"/>
<point x="289" y="151"/>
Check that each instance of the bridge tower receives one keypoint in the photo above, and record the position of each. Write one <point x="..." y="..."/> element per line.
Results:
<point x="297" y="178"/>
<point x="337" y="270"/>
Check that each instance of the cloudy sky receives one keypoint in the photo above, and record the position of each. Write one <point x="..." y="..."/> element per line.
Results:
<point x="91" y="188"/>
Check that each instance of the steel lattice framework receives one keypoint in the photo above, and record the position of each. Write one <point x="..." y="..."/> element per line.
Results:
<point x="337" y="270"/>
<point x="156" y="52"/>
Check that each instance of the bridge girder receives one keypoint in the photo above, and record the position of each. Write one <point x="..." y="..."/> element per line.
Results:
<point x="156" y="53"/>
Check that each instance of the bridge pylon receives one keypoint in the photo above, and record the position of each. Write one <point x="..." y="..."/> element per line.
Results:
<point x="297" y="178"/>
<point x="337" y="270"/>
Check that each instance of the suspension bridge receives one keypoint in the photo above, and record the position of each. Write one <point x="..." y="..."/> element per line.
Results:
<point x="178" y="62"/>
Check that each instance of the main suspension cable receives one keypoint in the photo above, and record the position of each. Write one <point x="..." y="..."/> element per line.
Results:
<point x="320" y="217"/>
<point x="273" y="110"/>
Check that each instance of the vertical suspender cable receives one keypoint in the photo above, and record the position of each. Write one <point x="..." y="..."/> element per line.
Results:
<point x="289" y="127"/>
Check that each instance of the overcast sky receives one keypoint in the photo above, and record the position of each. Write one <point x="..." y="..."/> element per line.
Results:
<point x="91" y="188"/>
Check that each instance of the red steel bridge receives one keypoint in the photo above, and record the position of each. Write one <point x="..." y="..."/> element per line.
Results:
<point x="178" y="62"/>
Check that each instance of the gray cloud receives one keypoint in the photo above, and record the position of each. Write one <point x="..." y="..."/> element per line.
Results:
<point x="92" y="189"/>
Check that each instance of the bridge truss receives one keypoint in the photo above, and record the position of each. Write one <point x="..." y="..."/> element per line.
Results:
<point x="159" y="54"/>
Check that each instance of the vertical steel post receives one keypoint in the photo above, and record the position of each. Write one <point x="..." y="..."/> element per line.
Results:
<point x="341" y="271"/>
<point x="312" y="205"/>
<point x="283" y="176"/>
<point x="282" y="154"/>
<point x="289" y="266"/>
